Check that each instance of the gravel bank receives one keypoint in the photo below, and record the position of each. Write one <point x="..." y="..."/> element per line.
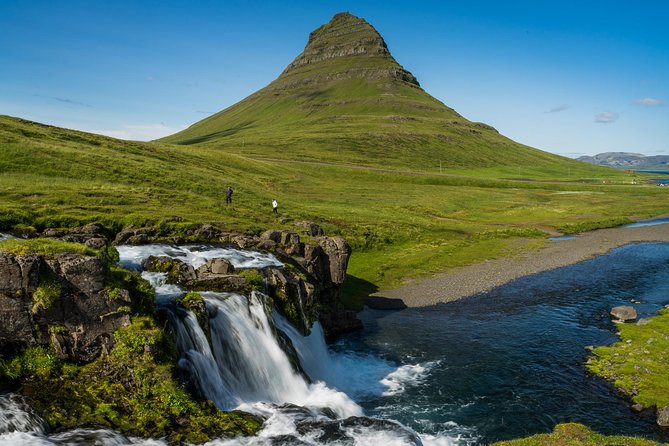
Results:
<point x="461" y="282"/>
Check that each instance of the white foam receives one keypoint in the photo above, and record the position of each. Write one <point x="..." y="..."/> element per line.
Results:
<point x="131" y="257"/>
<point x="405" y="376"/>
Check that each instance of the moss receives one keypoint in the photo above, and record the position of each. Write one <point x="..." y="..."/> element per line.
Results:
<point x="132" y="390"/>
<point x="288" y="308"/>
<point x="142" y="294"/>
<point x="573" y="434"/>
<point x="637" y="363"/>
<point x="43" y="246"/>
<point x="254" y="279"/>
<point x="57" y="329"/>
<point x="34" y="362"/>
<point x="46" y="295"/>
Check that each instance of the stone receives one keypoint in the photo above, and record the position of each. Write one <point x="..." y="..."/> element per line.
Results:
<point x="643" y="321"/>
<point x="623" y="313"/>
<point x="272" y="235"/>
<point x="218" y="282"/>
<point x="663" y="416"/>
<point x="78" y="323"/>
<point x="311" y="228"/>
<point x="96" y="242"/>
<point x="637" y="407"/>
<point x="337" y="252"/>
<point x="177" y="271"/>
<point x="215" y="266"/>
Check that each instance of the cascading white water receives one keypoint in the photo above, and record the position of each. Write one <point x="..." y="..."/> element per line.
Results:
<point x="249" y="359"/>
<point x="240" y="364"/>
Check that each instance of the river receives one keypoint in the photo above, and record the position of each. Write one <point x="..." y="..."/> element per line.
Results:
<point x="500" y="365"/>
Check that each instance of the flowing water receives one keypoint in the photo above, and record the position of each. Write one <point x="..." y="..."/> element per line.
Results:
<point x="500" y="365"/>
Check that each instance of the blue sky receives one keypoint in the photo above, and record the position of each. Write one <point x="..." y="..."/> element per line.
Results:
<point x="568" y="77"/>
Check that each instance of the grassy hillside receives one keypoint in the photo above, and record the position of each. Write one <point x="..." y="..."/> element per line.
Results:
<point x="346" y="100"/>
<point x="401" y="224"/>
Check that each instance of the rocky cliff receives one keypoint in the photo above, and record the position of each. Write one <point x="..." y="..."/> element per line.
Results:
<point x="59" y="301"/>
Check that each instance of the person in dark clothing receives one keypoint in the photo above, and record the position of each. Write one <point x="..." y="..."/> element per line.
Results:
<point x="228" y="196"/>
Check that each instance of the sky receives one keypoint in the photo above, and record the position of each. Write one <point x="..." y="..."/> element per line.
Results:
<point x="568" y="77"/>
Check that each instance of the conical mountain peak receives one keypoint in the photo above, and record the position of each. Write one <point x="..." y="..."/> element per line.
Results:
<point x="346" y="47"/>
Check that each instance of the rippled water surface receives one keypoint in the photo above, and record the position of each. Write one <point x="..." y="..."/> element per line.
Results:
<point x="510" y="362"/>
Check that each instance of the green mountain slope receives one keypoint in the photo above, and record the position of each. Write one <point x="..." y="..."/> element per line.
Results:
<point x="346" y="100"/>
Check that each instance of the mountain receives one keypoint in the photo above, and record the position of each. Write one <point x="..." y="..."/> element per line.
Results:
<point x="628" y="160"/>
<point x="345" y="99"/>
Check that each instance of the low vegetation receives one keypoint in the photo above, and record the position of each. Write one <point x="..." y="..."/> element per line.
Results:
<point x="637" y="364"/>
<point x="132" y="390"/>
<point x="572" y="434"/>
<point x="401" y="223"/>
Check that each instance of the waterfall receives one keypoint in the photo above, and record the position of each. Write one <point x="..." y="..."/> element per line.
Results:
<point x="312" y="350"/>
<point x="246" y="359"/>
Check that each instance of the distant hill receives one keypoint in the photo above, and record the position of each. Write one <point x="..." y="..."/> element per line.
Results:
<point x="628" y="160"/>
<point x="345" y="99"/>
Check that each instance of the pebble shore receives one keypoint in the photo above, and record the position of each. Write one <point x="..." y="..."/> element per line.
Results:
<point x="461" y="282"/>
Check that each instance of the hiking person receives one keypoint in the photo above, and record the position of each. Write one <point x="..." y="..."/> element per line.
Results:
<point x="275" y="206"/>
<point x="228" y="196"/>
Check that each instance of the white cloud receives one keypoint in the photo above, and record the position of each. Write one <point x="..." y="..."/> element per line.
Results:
<point x="606" y="117"/>
<point x="139" y="132"/>
<point x="650" y="102"/>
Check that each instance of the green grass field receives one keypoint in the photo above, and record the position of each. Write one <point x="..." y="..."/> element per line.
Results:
<point x="401" y="223"/>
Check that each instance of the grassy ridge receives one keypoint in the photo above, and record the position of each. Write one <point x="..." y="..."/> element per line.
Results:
<point x="400" y="223"/>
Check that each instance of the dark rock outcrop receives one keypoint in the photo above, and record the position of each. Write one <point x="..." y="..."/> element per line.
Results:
<point x="60" y="301"/>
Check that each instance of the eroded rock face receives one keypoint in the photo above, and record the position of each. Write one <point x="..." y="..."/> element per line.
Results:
<point x="59" y="301"/>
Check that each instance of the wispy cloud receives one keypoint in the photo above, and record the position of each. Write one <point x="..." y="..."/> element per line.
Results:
<point x="650" y="102"/>
<point x="203" y="112"/>
<point x="606" y="117"/>
<point x="140" y="132"/>
<point x="64" y="100"/>
<point x="558" y="109"/>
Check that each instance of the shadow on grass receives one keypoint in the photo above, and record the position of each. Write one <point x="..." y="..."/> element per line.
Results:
<point x="354" y="292"/>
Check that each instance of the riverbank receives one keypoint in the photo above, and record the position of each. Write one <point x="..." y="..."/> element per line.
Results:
<point x="462" y="282"/>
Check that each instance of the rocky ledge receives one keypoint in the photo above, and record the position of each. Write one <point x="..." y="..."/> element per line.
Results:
<point x="63" y="301"/>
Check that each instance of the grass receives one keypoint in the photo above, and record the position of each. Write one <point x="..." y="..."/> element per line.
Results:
<point x="573" y="434"/>
<point x="401" y="223"/>
<point x="43" y="247"/>
<point x="132" y="390"/>
<point x="637" y="364"/>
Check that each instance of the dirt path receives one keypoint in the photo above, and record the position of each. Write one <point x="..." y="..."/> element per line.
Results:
<point x="466" y="281"/>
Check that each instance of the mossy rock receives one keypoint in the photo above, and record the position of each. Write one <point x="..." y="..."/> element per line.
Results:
<point x="131" y="390"/>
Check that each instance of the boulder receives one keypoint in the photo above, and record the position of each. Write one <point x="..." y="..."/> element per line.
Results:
<point x="177" y="271"/>
<point x="84" y="274"/>
<point x="96" y="242"/>
<point x="214" y="266"/>
<point x="623" y="313"/>
<point x="134" y="236"/>
<point x="311" y="228"/>
<point x="218" y="282"/>
<point x="272" y="235"/>
<point x="663" y="416"/>
<point x="337" y="251"/>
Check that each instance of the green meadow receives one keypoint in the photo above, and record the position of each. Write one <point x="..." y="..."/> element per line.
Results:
<point x="401" y="223"/>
